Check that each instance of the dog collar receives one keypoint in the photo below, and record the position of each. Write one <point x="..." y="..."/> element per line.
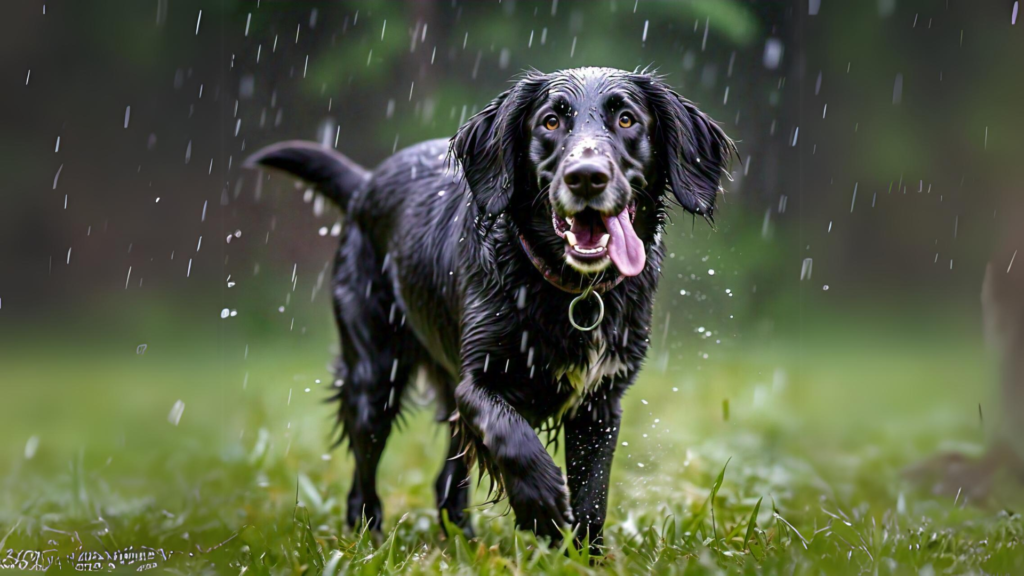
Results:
<point x="555" y="279"/>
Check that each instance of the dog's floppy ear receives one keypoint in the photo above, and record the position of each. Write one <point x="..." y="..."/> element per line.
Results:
<point x="489" y="144"/>
<point x="692" y="149"/>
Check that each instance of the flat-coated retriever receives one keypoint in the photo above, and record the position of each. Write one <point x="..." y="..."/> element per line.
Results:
<point x="517" y="264"/>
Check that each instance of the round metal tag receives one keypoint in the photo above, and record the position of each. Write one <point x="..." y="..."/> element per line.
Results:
<point x="600" y="310"/>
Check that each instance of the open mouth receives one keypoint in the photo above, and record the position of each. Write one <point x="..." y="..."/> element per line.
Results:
<point x="591" y="237"/>
<point x="585" y="234"/>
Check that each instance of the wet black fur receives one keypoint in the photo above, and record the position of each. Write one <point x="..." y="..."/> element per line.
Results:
<point x="431" y="275"/>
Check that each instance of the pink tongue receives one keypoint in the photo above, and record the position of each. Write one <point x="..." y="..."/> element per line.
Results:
<point x="624" y="247"/>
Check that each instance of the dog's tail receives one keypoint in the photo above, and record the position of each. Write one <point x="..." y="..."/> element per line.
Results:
<point x="334" y="175"/>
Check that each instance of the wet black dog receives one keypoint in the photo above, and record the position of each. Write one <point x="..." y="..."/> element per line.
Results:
<point x="462" y="257"/>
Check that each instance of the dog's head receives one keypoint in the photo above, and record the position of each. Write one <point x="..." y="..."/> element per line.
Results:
<point x="583" y="160"/>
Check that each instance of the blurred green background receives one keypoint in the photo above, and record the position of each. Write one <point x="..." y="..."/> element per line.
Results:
<point x="165" y="327"/>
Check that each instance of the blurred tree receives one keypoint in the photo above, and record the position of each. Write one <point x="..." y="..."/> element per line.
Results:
<point x="808" y="93"/>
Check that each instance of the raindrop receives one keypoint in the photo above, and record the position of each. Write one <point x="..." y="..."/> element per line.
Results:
<point x="806" y="269"/>
<point x="246" y="86"/>
<point x="174" y="417"/>
<point x="57" y="176"/>
<point x="773" y="49"/>
<point x="31" y="446"/>
<point x="897" y="89"/>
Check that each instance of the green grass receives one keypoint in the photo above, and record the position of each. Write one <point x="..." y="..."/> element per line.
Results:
<point x="817" y="434"/>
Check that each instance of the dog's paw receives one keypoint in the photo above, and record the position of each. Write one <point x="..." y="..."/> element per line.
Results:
<point x="364" y="512"/>
<point x="541" y="503"/>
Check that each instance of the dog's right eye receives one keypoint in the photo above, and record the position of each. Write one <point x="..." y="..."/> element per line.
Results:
<point x="551" y="122"/>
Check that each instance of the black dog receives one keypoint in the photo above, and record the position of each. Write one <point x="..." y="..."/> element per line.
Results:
<point x="462" y="257"/>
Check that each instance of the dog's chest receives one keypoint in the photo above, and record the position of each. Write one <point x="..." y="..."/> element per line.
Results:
<point x="585" y="373"/>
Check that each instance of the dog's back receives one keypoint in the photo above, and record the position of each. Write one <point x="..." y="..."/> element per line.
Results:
<point x="414" y="205"/>
<point x="405" y="210"/>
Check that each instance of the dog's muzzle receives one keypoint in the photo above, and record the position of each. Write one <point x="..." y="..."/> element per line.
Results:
<point x="591" y="211"/>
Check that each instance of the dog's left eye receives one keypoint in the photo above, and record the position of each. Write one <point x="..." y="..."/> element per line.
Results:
<point x="551" y="122"/>
<point x="626" y="120"/>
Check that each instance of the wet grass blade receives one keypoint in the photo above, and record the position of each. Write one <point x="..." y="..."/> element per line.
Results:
<point x="751" y="524"/>
<point x="714" y="492"/>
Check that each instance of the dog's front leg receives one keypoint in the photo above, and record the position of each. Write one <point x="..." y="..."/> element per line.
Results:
<point x="590" y="437"/>
<point x="507" y="444"/>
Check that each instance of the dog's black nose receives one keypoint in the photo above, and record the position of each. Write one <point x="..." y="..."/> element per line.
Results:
<point x="587" y="178"/>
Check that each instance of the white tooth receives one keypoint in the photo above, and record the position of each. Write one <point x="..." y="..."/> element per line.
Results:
<point x="604" y="240"/>
<point x="570" y="238"/>
<point x="569" y="220"/>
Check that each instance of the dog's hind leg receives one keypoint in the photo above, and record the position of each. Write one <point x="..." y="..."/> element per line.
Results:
<point x="377" y="358"/>
<point x="453" y="483"/>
